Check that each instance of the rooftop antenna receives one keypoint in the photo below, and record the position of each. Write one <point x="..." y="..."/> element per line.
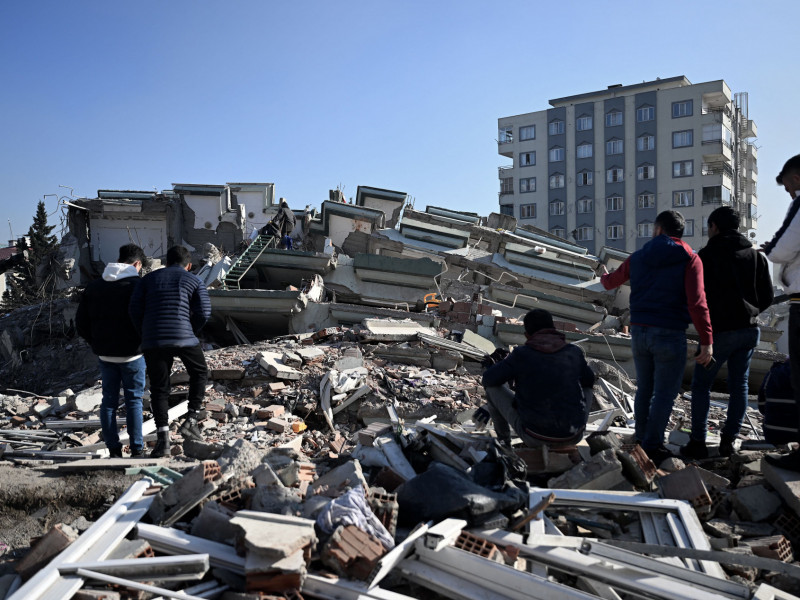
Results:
<point x="11" y="231"/>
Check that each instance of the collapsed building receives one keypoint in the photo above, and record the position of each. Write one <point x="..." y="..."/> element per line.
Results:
<point x="339" y="458"/>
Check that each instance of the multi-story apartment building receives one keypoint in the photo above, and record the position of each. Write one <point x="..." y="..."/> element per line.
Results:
<point x="597" y="168"/>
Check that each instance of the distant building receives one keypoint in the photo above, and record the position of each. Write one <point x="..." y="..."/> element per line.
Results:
<point x="597" y="168"/>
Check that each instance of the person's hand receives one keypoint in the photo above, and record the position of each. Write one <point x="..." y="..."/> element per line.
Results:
<point x="602" y="270"/>
<point x="705" y="355"/>
<point x="494" y="358"/>
<point x="481" y="417"/>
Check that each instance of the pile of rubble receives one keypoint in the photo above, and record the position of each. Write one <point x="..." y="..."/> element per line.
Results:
<point x="344" y="464"/>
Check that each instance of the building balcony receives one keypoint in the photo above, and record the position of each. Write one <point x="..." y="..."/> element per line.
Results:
<point x="716" y="151"/>
<point x="717" y="168"/>
<point x="505" y="192"/>
<point x="748" y="128"/>
<point x="504" y="172"/>
<point x="717" y="100"/>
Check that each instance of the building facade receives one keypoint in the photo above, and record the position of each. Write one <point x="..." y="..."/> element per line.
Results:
<point x="597" y="168"/>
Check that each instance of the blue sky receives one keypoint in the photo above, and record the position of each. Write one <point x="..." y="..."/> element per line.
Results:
<point x="310" y="95"/>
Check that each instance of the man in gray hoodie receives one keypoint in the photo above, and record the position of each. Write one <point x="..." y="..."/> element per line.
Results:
<point x="103" y="321"/>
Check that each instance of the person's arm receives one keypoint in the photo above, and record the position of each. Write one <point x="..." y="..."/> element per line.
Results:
<point x="499" y="373"/>
<point x="785" y="245"/>
<point x="83" y="319"/>
<point x="136" y="306"/>
<point x="698" y="308"/>
<point x="618" y="277"/>
<point x="765" y="293"/>
<point x="200" y="306"/>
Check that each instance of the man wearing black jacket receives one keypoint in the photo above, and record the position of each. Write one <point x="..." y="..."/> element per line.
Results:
<point x="738" y="288"/>
<point x="552" y="383"/>
<point x="102" y="320"/>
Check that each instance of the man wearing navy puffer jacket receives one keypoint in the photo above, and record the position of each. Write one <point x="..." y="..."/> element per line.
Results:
<point x="169" y="307"/>
<point x="667" y="294"/>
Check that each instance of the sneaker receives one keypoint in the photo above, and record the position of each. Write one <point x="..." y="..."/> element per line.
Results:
<point x="658" y="455"/>
<point x="115" y="452"/>
<point x="695" y="449"/>
<point x="790" y="462"/>
<point x="137" y="452"/>
<point x="190" y="430"/>
<point x="726" y="445"/>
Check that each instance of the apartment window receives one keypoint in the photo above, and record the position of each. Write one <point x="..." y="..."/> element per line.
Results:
<point x="646" y="200"/>
<point x="528" y="132"/>
<point x="584" y="150"/>
<point x="505" y="135"/>
<point x="556" y="127"/>
<point x="614" y="203"/>
<point x="716" y="194"/>
<point x="644" y="229"/>
<point x="506" y="185"/>
<point x="613" y="118"/>
<point x="585" y="205"/>
<point x="683" y="198"/>
<point x="645" y="113"/>
<point x="645" y="172"/>
<point x="557" y="207"/>
<point x="584" y="178"/>
<point x="615" y="232"/>
<point x="559" y="232"/>
<point x="527" y="184"/>
<point x="614" y="174"/>
<point x="583" y="123"/>
<point x="716" y="133"/>
<point x="682" y="109"/>
<point x="688" y="228"/>
<point x="507" y="209"/>
<point x="614" y="146"/>
<point x="527" y="211"/>
<point x="584" y="233"/>
<point x="527" y="159"/>
<point x="556" y="154"/>
<point x="645" y="142"/>
<point x="556" y="181"/>
<point x="681" y="139"/>
<point x="683" y="168"/>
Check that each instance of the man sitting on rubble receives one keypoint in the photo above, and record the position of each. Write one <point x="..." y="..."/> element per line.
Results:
<point x="552" y="383"/>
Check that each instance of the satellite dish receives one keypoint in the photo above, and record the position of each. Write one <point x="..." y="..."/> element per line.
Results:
<point x="752" y="234"/>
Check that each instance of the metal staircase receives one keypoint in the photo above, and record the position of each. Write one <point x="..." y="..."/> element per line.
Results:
<point x="247" y="259"/>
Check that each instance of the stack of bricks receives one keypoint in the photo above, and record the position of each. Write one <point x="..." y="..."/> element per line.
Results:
<point x="468" y="312"/>
<point x="351" y="552"/>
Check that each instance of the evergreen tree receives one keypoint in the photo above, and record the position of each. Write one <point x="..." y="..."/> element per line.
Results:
<point x="21" y="282"/>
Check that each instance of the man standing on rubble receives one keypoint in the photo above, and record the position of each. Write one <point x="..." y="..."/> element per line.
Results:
<point x="552" y="383"/>
<point x="784" y="249"/>
<point x="102" y="320"/>
<point x="281" y="225"/>
<point x="738" y="287"/>
<point x="169" y="307"/>
<point x="666" y="279"/>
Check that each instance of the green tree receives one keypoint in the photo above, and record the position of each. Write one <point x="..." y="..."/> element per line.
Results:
<point x="22" y="286"/>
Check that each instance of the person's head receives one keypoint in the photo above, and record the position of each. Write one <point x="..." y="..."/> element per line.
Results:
<point x="721" y="220"/>
<point x="284" y="203"/>
<point x="131" y="254"/>
<point x="537" y="319"/>
<point x="789" y="177"/>
<point x="178" y="255"/>
<point x="669" y="222"/>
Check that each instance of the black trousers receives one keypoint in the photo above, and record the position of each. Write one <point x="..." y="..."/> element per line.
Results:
<point x="159" y="364"/>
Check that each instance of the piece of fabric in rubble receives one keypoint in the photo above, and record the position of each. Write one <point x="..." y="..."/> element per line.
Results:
<point x="351" y="509"/>
<point x="444" y="492"/>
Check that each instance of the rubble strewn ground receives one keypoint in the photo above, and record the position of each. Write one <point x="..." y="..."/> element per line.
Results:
<point x="283" y="500"/>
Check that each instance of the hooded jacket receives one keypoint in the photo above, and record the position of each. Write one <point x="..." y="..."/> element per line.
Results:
<point x="169" y="307"/>
<point x="737" y="281"/>
<point x="549" y="376"/>
<point x="666" y="286"/>
<point x="784" y="248"/>
<point x="102" y="318"/>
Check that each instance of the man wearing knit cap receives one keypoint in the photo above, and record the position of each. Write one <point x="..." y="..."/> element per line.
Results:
<point x="552" y="388"/>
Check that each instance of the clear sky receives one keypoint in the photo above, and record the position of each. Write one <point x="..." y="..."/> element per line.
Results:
<point x="310" y="95"/>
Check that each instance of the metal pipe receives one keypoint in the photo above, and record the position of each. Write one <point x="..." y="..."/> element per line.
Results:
<point x="135" y="585"/>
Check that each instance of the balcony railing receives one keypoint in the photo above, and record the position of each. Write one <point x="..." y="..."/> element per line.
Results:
<point x="503" y="171"/>
<point x="718" y="168"/>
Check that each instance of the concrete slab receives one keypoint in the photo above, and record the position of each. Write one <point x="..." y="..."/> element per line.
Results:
<point x="786" y="483"/>
<point x="478" y="341"/>
<point x="272" y="535"/>
<point x="388" y="330"/>
<point x="272" y="362"/>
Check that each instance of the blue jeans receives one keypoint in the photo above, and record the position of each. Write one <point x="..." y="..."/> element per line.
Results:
<point x="659" y="355"/>
<point x="130" y="376"/>
<point x="735" y="348"/>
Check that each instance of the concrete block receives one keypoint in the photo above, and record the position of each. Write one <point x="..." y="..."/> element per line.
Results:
<point x="678" y="438"/>
<point x="275" y="410"/>
<point x="273" y="364"/>
<point x="291" y="359"/>
<point x="45" y="549"/>
<point x="602" y="472"/>
<point x="603" y="440"/>
<point x="337" y="481"/>
<point x="88" y="400"/>
<point x="485" y="331"/>
<point x="367" y="436"/>
<point x="478" y="341"/>
<point x="240" y="458"/>
<point x="277" y="499"/>
<point x="636" y="465"/>
<point x="278" y="425"/>
<point x="273" y="535"/>
<point x="351" y="552"/>
<point x="755" y="503"/>
<point x="213" y="523"/>
<point x="685" y="484"/>
<point x="351" y="359"/>
<point x="277" y="386"/>
<point x="446" y="360"/>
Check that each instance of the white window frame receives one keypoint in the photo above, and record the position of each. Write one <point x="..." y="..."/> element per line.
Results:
<point x="583" y="123"/>
<point x="614" y="203"/>
<point x="556" y="181"/>
<point x="614" y="146"/>
<point x="556" y="154"/>
<point x="679" y="168"/>
<point x="649" y="138"/>
<point x="586" y="147"/>
<point x="584" y="178"/>
<point x="555" y="127"/>
<point x="644" y="172"/>
<point x="682" y="198"/>
<point x="614" y="118"/>
<point x="688" y="228"/>
<point x="525" y="130"/>
<point x="615" y="175"/>
<point x="585" y="206"/>
<point x="559" y="232"/>
<point x="556" y="208"/>
<point x="682" y="108"/>
<point x="615" y="232"/>
<point x="584" y="233"/>
<point x="527" y="211"/>
<point x="645" y="111"/>
<point x="646" y="200"/>
<point x="527" y="185"/>
<point x="683" y="138"/>
<point x="531" y="159"/>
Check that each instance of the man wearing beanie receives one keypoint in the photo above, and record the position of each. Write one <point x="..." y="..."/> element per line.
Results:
<point x="552" y="388"/>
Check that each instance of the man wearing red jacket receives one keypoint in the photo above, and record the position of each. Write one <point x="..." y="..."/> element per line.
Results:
<point x="666" y="278"/>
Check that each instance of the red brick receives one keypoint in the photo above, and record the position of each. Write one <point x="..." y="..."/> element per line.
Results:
<point x="460" y="317"/>
<point x="275" y="410"/>
<point x="351" y="552"/>
<point x="462" y="307"/>
<point x="484" y="309"/>
<point x="278" y="425"/>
